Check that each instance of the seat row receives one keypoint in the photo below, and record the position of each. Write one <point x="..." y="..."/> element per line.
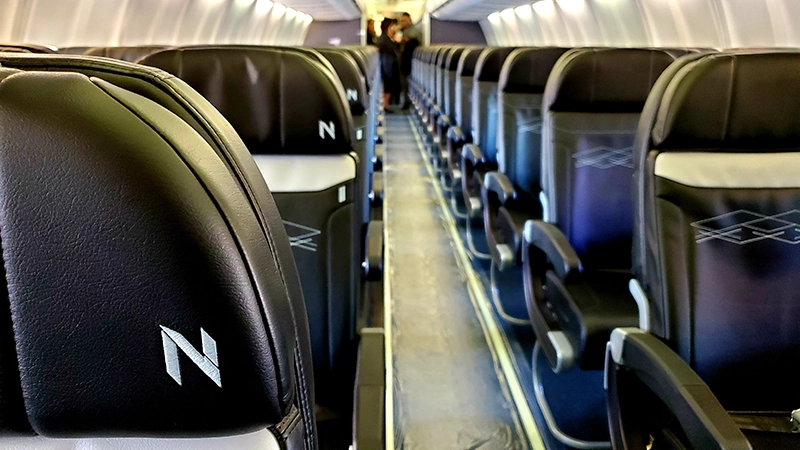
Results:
<point x="278" y="281"/>
<point x="676" y="299"/>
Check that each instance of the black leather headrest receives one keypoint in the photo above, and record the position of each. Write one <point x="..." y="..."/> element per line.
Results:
<point x="363" y="63"/>
<point x="468" y="61"/>
<point x="310" y="52"/>
<point x="526" y="70"/>
<point x="729" y="101"/>
<point x="350" y="75"/>
<point x="131" y="54"/>
<point x="451" y="62"/>
<point x="490" y="63"/>
<point x="144" y="296"/>
<point x="608" y="80"/>
<point x="279" y="100"/>
<point x="24" y="48"/>
<point x="73" y="50"/>
<point x="423" y="54"/>
<point x="441" y="60"/>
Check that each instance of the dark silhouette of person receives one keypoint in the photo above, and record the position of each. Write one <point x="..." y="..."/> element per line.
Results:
<point x="390" y="67"/>
<point x="412" y="38"/>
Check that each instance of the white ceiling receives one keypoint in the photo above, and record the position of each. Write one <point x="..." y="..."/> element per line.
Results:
<point x="647" y="23"/>
<point x="65" y="23"/>
<point x="468" y="10"/>
<point x="324" y="10"/>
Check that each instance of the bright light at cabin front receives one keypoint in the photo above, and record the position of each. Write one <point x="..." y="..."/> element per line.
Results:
<point x="524" y="12"/>
<point x="278" y="10"/>
<point x="571" y="5"/>
<point x="263" y="7"/>
<point x="545" y="8"/>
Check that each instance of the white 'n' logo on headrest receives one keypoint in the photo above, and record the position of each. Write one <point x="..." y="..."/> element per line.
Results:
<point x="206" y="361"/>
<point x="352" y="94"/>
<point x="328" y="128"/>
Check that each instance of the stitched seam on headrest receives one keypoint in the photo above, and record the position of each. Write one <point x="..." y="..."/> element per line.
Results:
<point x="308" y="414"/>
<point x="46" y="62"/>
<point x="731" y="93"/>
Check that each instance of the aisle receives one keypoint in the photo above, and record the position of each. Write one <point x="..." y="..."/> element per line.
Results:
<point x="449" y="389"/>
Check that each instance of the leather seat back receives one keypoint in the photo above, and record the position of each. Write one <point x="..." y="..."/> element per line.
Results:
<point x="441" y="61"/>
<point x="352" y="79"/>
<point x="464" y="73"/>
<point x="718" y="221"/>
<point x="430" y="70"/>
<point x="130" y="53"/>
<point x="363" y="64"/>
<point x="484" y="99"/>
<point x="592" y="104"/>
<point x="14" y="47"/>
<point x="157" y="277"/>
<point x="293" y="116"/>
<point x="519" y="121"/>
<point x="79" y="50"/>
<point x="356" y="93"/>
<point x="449" y="82"/>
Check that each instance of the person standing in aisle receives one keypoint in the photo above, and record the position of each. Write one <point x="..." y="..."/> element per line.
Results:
<point x="412" y="38"/>
<point x="390" y="70"/>
<point x="371" y="38"/>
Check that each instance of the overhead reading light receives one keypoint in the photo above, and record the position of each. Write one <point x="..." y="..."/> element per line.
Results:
<point x="290" y="13"/>
<point x="244" y="3"/>
<point x="507" y="14"/>
<point x="494" y="17"/>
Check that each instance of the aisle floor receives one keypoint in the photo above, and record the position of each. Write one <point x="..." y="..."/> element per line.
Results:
<point x="449" y="389"/>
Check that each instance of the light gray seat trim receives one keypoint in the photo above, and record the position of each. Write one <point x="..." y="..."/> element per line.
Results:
<point x="258" y="440"/>
<point x="305" y="173"/>
<point x="730" y="170"/>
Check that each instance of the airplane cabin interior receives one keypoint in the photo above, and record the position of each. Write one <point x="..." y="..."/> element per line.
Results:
<point x="399" y="224"/>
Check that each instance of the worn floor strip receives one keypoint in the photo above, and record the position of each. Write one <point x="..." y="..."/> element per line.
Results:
<point x="454" y="386"/>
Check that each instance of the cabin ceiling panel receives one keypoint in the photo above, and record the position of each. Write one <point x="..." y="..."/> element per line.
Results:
<point x="634" y="23"/>
<point x="68" y="23"/>
<point x="470" y="10"/>
<point x="327" y="9"/>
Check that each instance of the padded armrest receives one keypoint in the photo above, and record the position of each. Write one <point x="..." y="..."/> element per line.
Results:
<point x="377" y="159"/>
<point x="472" y="153"/>
<point x="586" y="311"/>
<point x="702" y="417"/>
<point x="373" y="260"/>
<point x="499" y="183"/>
<point x="552" y="242"/>
<point x="444" y="120"/>
<point x="455" y="135"/>
<point x="370" y="391"/>
<point x="376" y="191"/>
